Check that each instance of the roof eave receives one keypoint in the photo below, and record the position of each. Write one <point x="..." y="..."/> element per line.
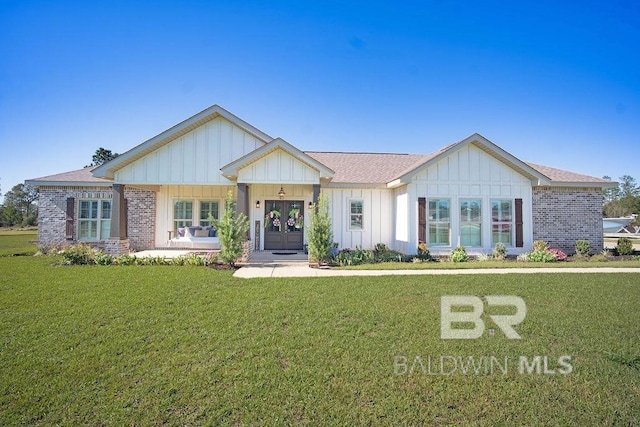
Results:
<point x="36" y="183"/>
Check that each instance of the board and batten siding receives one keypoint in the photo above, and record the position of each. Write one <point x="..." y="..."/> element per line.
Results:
<point x="378" y="221"/>
<point x="470" y="173"/>
<point x="278" y="167"/>
<point x="167" y="194"/>
<point x="193" y="159"/>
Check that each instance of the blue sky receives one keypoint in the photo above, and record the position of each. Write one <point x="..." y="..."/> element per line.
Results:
<point x="555" y="83"/>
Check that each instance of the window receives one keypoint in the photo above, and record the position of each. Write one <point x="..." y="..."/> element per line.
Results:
<point x="439" y="222"/>
<point x="471" y="222"/>
<point x="355" y="214"/>
<point x="94" y="219"/>
<point x="182" y="214"/>
<point x="208" y="208"/>
<point x="501" y="222"/>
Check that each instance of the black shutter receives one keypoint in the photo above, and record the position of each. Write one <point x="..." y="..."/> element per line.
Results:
<point x="422" y="219"/>
<point x="519" y="232"/>
<point x="71" y="210"/>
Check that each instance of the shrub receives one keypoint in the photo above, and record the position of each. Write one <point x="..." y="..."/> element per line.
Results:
<point x="126" y="259"/>
<point x="583" y="247"/>
<point x="542" y="256"/>
<point x="320" y="234"/>
<point x="232" y="231"/>
<point x="558" y="254"/>
<point x="354" y="257"/>
<point x="523" y="257"/>
<point x="101" y="258"/>
<point x="499" y="251"/>
<point x="80" y="254"/>
<point x="624" y="246"/>
<point x="540" y="245"/>
<point x="459" y="254"/>
<point x="423" y="252"/>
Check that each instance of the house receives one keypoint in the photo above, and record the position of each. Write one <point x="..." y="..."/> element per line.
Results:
<point x="161" y="192"/>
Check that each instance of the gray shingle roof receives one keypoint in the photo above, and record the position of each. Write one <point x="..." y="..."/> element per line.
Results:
<point x="77" y="176"/>
<point x="367" y="168"/>
<point x="559" y="175"/>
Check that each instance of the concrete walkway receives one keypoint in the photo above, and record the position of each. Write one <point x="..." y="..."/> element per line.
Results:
<point x="302" y="269"/>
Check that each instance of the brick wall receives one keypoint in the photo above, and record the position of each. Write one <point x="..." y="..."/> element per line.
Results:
<point x="141" y="218"/>
<point x="562" y="215"/>
<point x="52" y="214"/>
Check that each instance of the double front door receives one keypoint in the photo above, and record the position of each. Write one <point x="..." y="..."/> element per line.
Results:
<point x="284" y="225"/>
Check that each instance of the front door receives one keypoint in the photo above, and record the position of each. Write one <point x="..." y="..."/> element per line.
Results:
<point x="284" y="220"/>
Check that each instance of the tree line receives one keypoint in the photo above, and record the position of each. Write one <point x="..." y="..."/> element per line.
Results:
<point x="622" y="200"/>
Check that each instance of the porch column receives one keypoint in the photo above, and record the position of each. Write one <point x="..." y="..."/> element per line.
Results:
<point x="316" y="193"/>
<point x="118" y="214"/>
<point x="242" y="205"/>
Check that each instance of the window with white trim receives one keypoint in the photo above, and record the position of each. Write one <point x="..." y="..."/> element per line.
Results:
<point x="356" y="218"/>
<point x="208" y="207"/>
<point x="439" y="222"/>
<point x="502" y="221"/>
<point x="471" y="222"/>
<point x="94" y="219"/>
<point x="182" y="213"/>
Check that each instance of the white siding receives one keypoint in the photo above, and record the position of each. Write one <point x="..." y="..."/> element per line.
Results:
<point x="378" y="218"/>
<point x="471" y="173"/>
<point x="279" y="167"/>
<point x="193" y="159"/>
<point x="168" y="193"/>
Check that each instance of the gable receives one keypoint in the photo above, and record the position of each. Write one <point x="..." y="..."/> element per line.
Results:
<point x="278" y="167"/>
<point x="193" y="158"/>
<point x="471" y="164"/>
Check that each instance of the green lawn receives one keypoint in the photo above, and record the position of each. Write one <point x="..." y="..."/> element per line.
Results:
<point x="446" y="265"/>
<point x="190" y="345"/>
<point x="18" y="242"/>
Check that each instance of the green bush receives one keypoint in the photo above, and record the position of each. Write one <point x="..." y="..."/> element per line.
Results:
<point x="126" y="259"/>
<point x="459" y="254"/>
<point x="101" y="258"/>
<point x="583" y="247"/>
<point x="355" y="256"/>
<point x="232" y="231"/>
<point x="542" y="256"/>
<point x="499" y="251"/>
<point x="624" y="246"/>
<point x="79" y="254"/>
<point x="320" y="235"/>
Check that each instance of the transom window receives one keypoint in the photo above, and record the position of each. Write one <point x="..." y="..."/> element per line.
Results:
<point x="439" y="220"/>
<point x="94" y="219"/>
<point x="471" y="222"/>
<point x="356" y="214"/>
<point x="502" y="221"/>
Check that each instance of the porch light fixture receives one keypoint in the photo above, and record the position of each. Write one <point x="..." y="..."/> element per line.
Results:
<point x="258" y="204"/>
<point x="310" y="205"/>
<point x="281" y="193"/>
